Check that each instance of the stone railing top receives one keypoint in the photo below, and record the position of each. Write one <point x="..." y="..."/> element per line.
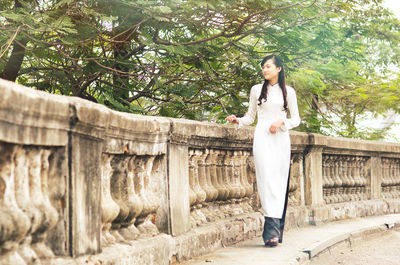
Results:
<point x="136" y="134"/>
<point x="353" y="144"/>
<point x="36" y="117"/>
<point x="210" y="134"/>
<point x="29" y="116"/>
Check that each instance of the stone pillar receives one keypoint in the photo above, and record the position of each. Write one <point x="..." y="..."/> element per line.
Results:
<point x="178" y="187"/>
<point x="87" y="126"/>
<point x="313" y="177"/>
<point x="375" y="180"/>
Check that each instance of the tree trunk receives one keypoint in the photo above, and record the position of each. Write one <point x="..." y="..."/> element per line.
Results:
<point x="13" y="65"/>
<point x="11" y="70"/>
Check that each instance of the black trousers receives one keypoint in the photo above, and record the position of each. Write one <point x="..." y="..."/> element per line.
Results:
<point x="273" y="227"/>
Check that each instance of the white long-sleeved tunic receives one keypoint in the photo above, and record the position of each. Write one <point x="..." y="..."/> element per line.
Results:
<point x="271" y="151"/>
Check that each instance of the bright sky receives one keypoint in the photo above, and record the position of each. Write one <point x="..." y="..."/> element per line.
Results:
<point x="394" y="5"/>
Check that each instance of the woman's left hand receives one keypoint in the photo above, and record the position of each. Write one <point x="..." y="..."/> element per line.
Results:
<point x="275" y="126"/>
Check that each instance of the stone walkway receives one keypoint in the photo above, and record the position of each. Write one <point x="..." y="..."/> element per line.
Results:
<point x="380" y="250"/>
<point x="302" y="244"/>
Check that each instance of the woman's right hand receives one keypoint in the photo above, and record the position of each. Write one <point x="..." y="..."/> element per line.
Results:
<point x="232" y="119"/>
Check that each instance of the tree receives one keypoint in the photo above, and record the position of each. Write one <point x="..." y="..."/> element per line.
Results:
<point x="195" y="59"/>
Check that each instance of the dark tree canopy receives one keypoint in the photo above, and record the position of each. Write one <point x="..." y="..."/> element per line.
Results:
<point x="198" y="59"/>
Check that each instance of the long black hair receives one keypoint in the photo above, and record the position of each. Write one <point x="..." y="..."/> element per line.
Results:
<point x="281" y="80"/>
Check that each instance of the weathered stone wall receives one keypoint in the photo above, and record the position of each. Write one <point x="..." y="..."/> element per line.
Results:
<point x="80" y="183"/>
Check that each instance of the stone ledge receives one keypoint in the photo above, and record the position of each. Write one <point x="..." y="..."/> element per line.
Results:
<point x="165" y="249"/>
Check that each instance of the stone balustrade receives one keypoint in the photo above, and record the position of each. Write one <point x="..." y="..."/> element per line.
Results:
<point x="80" y="183"/>
<point x="344" y="178"/>
<point x="390" y="177"/>
<point x="219" y="184"/>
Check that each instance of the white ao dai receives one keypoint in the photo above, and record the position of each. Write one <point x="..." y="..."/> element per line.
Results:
<point x="271" y="151"/>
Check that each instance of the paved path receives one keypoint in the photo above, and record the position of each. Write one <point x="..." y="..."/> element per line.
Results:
<point x="315" y="240"/>
<point x="380" y="250"/>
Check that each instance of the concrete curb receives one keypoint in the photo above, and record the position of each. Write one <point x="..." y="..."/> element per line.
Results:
<point x="347" y="239"/>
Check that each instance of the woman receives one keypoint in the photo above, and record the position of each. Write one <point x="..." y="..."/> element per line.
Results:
<point x="271" y="147"/>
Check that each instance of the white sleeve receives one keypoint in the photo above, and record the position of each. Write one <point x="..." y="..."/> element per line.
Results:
<point x="294" y="120"/>
<point x="251" y="113"/>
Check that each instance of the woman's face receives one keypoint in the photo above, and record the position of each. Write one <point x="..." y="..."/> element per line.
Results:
<point x="270" y="71"/>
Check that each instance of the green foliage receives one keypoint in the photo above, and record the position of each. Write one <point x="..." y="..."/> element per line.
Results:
<point x="197" y="59"/>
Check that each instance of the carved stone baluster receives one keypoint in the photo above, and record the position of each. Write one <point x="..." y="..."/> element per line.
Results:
<point x="331" y="178"/>
<point x="294" y="179"/>
<point x="389" y="178"/>
<point x="232" y="176"/>
<point x="355" y="165"/>
<point x="354" y="196"/>
<point x="334" y="178"/>
<point x="204" y="184"/>
<point x="342" y="189"/>
<point x="13" y="222"/>
<point x="360" y="181"/>
<point x="240" y="190"/>
<point x="394" y="187"/>
<point x="214" y="174"/>
<point x="211" y="175"/>
<point x="244" y="180"/>
<point x="393" y="178"/>
<point x="110" y="208"/>
<point x="118" y="192"/>
<point x="212" y="161"/>
<point x="361" y="173"/>
<point x="251" y="176"/>
<point x="151" y="201"/>
<point x="135" y="206"/>
<point x="345" y="178"/>
<point x="248" y="185"/>
<point x="212" y="208"/>
<point x="239" y="164"/>
<point x="349" y="190"/>
<point x="221" y="176"/>
<point x="192" y="194"/>
<point x="384" y="178"/>
<point x="194" y="183"/>
<point x="39" y="191"/>
<point x="338" y="180"/>
<point x="397" y="176"/>
<point x="22" y="194"/>
<point x="347" y="169"/>
<point x="203" y="175"/>
<point x="58" y="236"/>
<point x="200" y="193"/>
<point x="364" y="174"/>
<point x="325" y="170"/>
<point x="227" y="172"/>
